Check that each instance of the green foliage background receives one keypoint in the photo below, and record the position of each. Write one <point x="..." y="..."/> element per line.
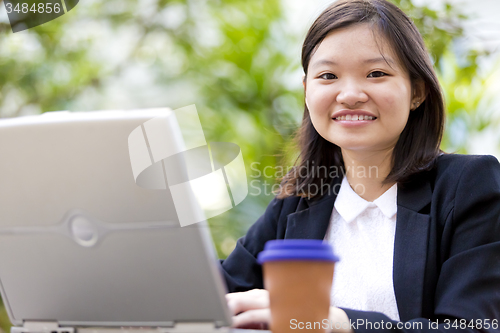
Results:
<point x="235" y="58"/>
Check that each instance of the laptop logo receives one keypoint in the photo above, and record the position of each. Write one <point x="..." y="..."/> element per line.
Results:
<point x="170" y="151"/>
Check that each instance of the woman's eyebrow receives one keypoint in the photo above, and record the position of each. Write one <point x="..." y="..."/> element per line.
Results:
<point x="366" y="61"/>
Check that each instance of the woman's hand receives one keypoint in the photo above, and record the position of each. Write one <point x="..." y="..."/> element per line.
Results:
<point x="339" y="316"/>
<point x="250" y="309"/>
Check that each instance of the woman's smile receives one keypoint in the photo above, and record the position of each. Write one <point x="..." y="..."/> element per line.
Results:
<point x="353" y="118"/>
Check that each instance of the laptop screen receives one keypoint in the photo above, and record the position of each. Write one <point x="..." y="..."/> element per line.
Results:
<point x="82" y="244"/>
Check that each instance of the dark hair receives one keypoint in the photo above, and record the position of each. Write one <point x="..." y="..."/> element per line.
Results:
<point x="418" y="144"/>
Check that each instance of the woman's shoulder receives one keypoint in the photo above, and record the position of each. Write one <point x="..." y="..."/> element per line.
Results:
<point x="480" y="169"/>
<point x="461" y="158"/>
<point x="457" y="163"/>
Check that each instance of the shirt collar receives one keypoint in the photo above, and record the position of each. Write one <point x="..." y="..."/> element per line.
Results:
<point x="349" y="204"/>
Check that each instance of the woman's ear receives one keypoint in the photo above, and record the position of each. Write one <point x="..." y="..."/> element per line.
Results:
<point x="419" y="94"/>
<point x="304" y="84"/>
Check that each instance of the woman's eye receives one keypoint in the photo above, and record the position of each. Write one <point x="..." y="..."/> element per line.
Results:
<point x="328" y="76"/>
<point x="377" y="74"/>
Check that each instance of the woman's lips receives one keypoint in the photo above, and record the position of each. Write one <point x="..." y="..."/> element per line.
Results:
<point x="354" y="123"/>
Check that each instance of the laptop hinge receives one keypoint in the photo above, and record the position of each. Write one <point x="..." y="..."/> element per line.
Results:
<point x="30" y="326"/>
<point x="191" y="327"/>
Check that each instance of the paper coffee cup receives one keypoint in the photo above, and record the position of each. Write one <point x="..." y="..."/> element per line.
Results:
<point x="298" y="274"/>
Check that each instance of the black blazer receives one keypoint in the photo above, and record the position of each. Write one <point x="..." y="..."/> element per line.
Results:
<point x="446" y="251"/>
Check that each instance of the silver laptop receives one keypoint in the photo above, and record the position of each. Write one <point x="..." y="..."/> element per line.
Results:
<point x="83" y="245"/>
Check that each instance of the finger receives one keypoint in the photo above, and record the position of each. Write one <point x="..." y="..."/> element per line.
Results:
<point x="235" y="295"/>
<point x="253" y="293"/>
<point x="245" y="303"/>
<point x="238" y="294"/>
<point x="248" y="300"/>
<point x="252" y="317"/>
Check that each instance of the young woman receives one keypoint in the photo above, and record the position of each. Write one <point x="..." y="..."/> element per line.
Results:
<point x="417" y="230"/>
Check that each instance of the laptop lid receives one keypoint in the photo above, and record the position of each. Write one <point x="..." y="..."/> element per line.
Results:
<point x="82" y="244"/>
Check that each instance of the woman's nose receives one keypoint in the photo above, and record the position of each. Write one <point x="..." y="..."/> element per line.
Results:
<point x="351" y="93"/>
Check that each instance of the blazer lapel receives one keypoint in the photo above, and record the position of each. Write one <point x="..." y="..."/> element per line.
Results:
<point x="313" y="217"/>
<point x="410" y="247"/>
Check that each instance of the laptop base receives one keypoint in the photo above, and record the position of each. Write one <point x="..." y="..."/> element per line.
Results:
<point x="53" y="327"/>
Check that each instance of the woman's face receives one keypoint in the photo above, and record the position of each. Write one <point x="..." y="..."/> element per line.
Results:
<point x="348" y="79"/>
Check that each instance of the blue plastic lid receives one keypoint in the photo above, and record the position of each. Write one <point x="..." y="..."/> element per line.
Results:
<point x="297" y="249"/>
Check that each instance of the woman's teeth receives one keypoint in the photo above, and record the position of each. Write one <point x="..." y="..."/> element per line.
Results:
<point x="354" y="117"/>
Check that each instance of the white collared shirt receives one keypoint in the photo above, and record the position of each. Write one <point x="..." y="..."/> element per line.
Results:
<point x="362" y="235"/>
